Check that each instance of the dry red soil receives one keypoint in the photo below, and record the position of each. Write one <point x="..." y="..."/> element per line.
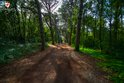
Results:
<point x="57" y="64"/>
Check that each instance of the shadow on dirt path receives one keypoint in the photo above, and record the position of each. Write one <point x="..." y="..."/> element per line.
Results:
<point x="57" y="64"/>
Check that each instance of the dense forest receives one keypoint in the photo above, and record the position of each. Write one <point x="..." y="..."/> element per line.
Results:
<point x="95" y="27"/>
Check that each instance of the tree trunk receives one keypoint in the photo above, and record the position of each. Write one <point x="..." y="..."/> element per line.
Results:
<point x="51" y="29"/>
<point x="94" y="30"/>
<point x="117" y="14"/>
<point x="110" y="34"/>
<point x="101" y="24"/>
<point x="23" y="27"/>
<point x="70" y="35"/>
<point x="41" y="25"/>
<point x="110" y="31"/>
<point x="71" y="24"/>
<point x="79" y="26"/>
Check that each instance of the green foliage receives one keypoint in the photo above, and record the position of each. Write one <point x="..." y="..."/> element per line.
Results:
<point x="102" y="27"/>
<point x="10" y="51"/>
<point x="90" y="42"/>
<point x="114" y="68"/>
<point x="109" y="64"/>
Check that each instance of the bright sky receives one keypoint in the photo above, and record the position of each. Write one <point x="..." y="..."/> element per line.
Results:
<point x="59" y="5"/>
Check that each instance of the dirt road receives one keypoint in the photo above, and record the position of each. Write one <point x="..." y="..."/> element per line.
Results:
<point x="57" y="64"/>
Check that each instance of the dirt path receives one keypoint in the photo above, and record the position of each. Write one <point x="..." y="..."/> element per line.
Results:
<point x="57" y="64"/>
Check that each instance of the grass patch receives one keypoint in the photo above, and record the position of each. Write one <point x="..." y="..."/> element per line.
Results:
<point x="109" y="64"/>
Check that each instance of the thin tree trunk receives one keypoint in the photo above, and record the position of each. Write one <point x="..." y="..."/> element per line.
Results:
<point x="110" y="31"/>
<point x="23" y="30"/>
<point x="101" y="24"/>
<point x="94" y="31"/>
<point x="116" y="27"/>
<point x="70" y="36"/>
<point x="51" y="28"/>
<point x="71" y="24"/>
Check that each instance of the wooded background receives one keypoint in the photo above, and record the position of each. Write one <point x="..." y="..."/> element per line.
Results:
<point x="97" y="24"/>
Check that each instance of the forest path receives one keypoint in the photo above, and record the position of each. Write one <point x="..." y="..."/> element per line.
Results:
<point x="57" y="64"/>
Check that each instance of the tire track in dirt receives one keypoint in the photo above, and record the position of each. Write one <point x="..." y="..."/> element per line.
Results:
<point x="58" y="64"/>
<point x="13" y="71"/>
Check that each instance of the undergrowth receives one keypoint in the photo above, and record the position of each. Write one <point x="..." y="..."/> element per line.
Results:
<point x="10" y="50"/>
<point x="114" y="67"/>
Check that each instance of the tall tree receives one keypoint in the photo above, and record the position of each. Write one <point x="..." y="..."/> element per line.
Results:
<point x="79" y="26"/>
<point x="116" y="21"/>
<point x="41" y="25"/>
<point x="71" y="23"/>
<point x="49" y="6"/>
<point x="100" y="7"/>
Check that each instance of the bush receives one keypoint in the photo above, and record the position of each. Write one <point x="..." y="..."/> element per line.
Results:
<point x="90" y="42"/>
